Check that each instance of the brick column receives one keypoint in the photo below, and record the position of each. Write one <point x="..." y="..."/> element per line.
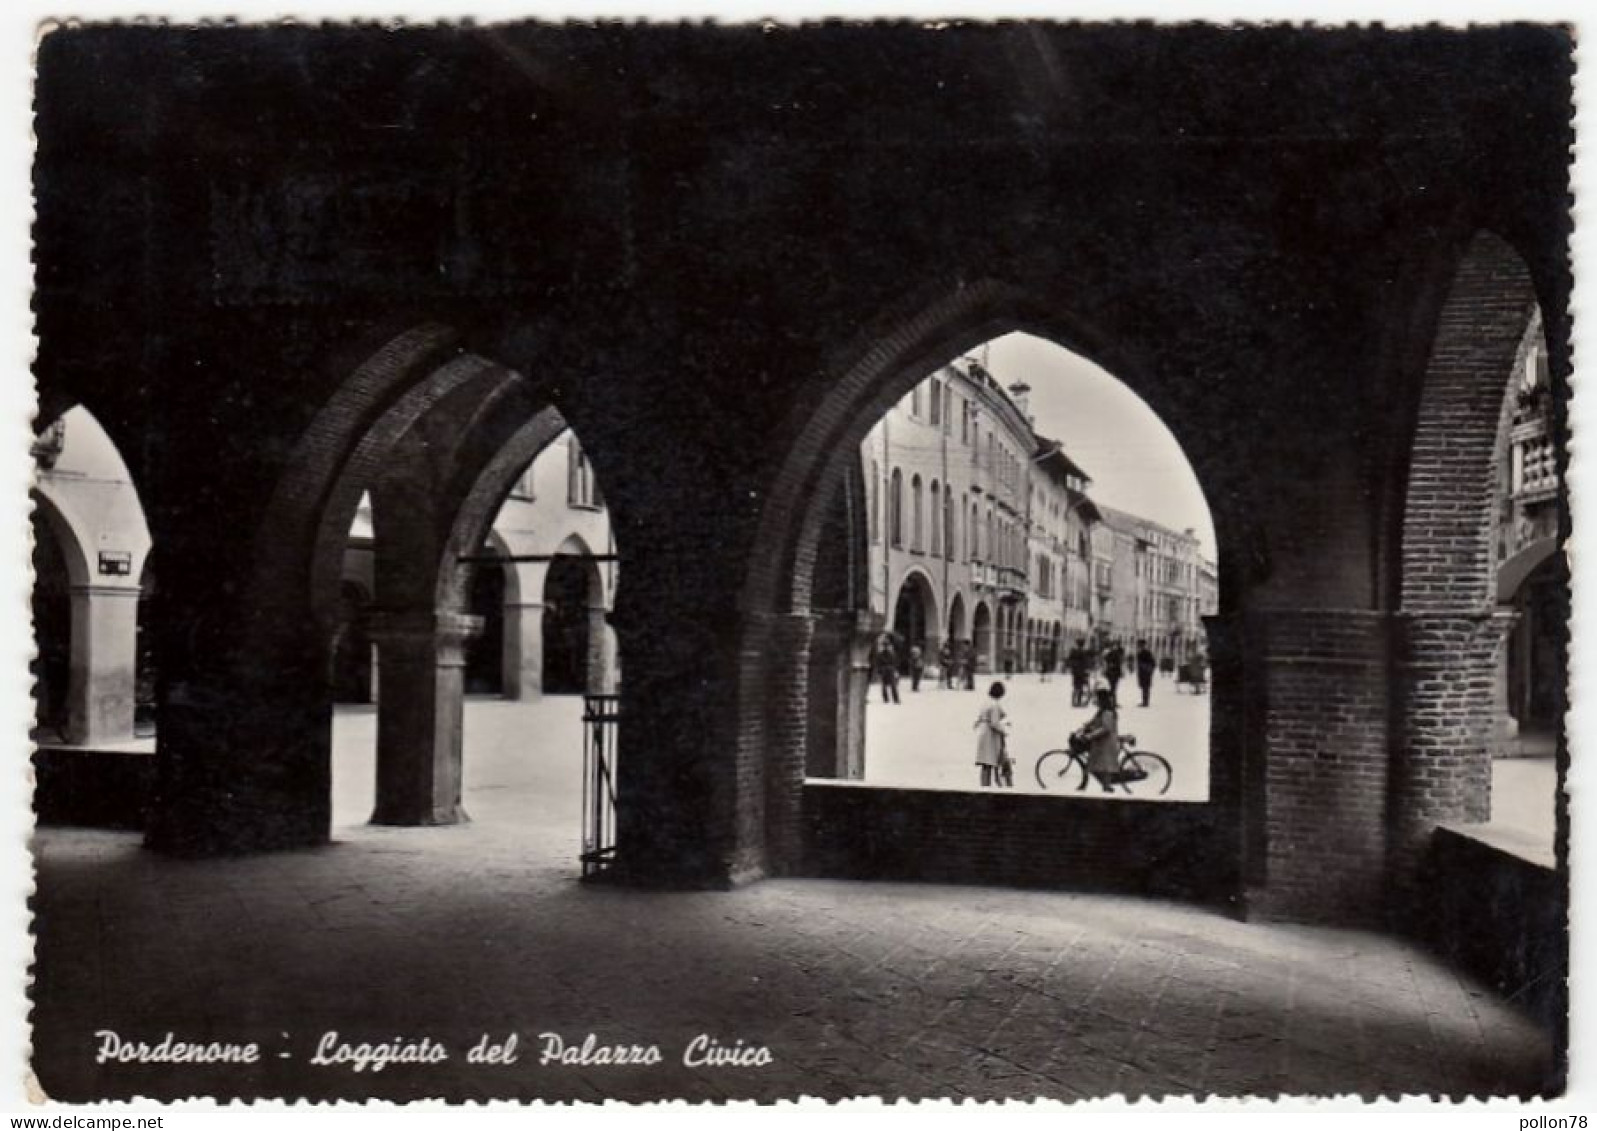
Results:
<point x="1319" y="684"/>
<point x="100" y="696"/>
<point x="773" y="745"/>
<point x="523" y="650"/>
<point x="420" y="716"/>
<point x="1449" y="672"/>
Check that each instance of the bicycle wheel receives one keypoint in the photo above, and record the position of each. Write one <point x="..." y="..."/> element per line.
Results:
<point x="1146" y="773"/>
<point x="1061" y="770"/>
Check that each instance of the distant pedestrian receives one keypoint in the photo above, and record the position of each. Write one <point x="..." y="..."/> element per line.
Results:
<point x="1146" y="666"/>
<point x="1009" y="663"/>
<point x="945" y="663"/>
<point x="917" y="665"/>
<point x="1114" y="666"/>
<point x="886" y="665"/>
<point x="967" y="665"/>
<point x="992" y="729"/>
<point x="1080" y="664"/>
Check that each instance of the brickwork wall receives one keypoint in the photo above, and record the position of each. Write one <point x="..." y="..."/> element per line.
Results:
<point x="1503" y="919"/>
<point x="861" y="832"/>
<point x="1453" y="473"/>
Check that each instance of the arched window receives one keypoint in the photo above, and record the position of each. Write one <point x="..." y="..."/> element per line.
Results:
<point x="915" y="527"/>
<point x="948" y="525"/>
<point x="937" y="404"/>
<point x="937" y="512"/>
<point x="580" y="488"/>
<point x="972" y="548"/>
<point x="989" y="546"/>
<point x="895" y="509"/>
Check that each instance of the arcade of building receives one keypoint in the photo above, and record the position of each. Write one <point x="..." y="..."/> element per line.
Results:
<point x="721" y="284"/>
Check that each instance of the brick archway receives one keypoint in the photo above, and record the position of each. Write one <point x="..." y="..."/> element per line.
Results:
<point x="778" y="622"/>
<point x="1450" y="629"/>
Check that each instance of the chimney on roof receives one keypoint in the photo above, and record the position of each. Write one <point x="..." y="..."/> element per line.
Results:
<point x="1020" y="393"/>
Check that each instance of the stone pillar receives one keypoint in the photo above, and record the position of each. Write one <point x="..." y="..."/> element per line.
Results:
<point x="100" y="695"/>
<point x="1507" y="731"/>
<point x="830" y="731"/>
<point x="420" y="717"/>
<point x="523" y="650"/>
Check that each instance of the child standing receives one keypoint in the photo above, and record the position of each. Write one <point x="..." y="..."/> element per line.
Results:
<point x="992" y="726"/>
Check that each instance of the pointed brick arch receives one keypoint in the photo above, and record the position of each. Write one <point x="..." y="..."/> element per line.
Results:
<point x="1449" y="626"/>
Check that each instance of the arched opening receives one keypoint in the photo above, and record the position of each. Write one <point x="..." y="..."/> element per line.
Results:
<point x="439" y="486"/>
<point x="982" y="638"/>
<point x="1484" y="590"/>
<point x="1478" y="827"/>
<point x="1022" y="415"/>
<point x="573" y="604"/>
<point x="91" y="544"/>
<point x="915" y="614"/>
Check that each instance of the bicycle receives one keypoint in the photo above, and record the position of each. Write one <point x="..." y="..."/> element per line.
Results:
<point x="1067" y="769"/>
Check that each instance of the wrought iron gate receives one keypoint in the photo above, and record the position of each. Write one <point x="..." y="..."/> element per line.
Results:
<point x="601" y="716"/>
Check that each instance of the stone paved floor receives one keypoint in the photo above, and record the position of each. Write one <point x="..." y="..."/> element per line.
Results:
<point x="857" y="989"/>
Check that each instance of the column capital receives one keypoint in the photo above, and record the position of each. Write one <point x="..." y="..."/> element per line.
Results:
<point x="93" y="590"/>
<point x="424" y="635"/>
<point x="421" y="627"/>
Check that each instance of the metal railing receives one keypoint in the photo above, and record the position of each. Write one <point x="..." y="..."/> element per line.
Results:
<point x="601" y="717"/>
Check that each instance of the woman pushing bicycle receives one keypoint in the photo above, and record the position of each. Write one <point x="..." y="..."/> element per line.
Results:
<point x="1101" y="736"/>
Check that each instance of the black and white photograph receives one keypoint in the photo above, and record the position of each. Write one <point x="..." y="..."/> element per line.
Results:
<point x="819" y="560"/>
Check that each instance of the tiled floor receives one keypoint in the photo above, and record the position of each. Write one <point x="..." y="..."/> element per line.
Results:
<point x="856" y="989"/>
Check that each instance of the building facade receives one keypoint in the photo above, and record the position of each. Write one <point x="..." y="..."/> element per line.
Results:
<point x="982" y="533"/>
<point x="1532" y="576"/>
<point x="1164" y="587"/>
<point x="948" y="494"/>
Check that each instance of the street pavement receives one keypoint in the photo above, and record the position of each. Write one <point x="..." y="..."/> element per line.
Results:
<point x="856" y="989"/>
<point x="927" y="740"/>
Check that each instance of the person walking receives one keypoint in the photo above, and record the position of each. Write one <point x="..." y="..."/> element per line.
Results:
<point x="1080" y="664"/>
<point x="1114" y="666"/>
<point x="917" y="665"/>
<point x="967" y="665"/>
<point x="945" y="663"/>
<point x="1147" y="664"/>
<point x="886" y="664"/>
<point x="1101" y="734"/>
<point x="992" y="729"/>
